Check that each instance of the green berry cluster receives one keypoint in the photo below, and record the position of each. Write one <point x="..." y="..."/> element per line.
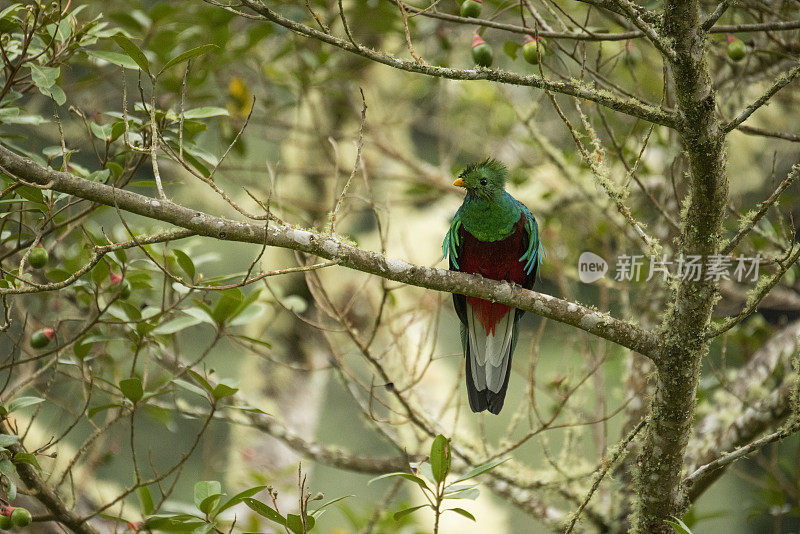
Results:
<point x="11" y="517"/>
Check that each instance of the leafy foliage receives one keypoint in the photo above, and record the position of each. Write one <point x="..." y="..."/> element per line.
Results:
<point x="431" y="478"/>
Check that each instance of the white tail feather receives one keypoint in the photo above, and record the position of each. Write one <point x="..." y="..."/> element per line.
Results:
<point x="489" y="352"/>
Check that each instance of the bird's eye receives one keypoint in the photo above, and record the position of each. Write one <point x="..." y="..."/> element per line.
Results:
<point x="483" y="181"/>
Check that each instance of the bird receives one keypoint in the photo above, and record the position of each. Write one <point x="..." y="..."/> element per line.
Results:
<point x="496" y="236"/>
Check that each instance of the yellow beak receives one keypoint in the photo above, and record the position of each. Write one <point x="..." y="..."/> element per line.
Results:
<point x="459" y="182"/>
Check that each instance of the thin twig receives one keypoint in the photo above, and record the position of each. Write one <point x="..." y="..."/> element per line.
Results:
<point x="607" y="465"/>
<point x="753" y="220"/>
<point x="355" y="164"/>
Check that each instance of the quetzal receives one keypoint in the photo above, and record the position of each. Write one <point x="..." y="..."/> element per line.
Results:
<point x="494" y="235"/>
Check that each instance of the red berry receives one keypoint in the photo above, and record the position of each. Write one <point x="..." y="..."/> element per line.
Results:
<point x="41" y="338"/>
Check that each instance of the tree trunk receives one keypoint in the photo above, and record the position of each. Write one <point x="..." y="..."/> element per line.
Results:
<point x="684" y="324"/>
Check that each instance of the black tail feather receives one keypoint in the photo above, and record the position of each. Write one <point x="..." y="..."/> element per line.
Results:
<point x="495" y="400"/>
<point x="487" y="399"/>
<point x="477" y="399"/>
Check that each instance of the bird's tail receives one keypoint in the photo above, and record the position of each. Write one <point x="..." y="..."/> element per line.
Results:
<point x="488" y="365"/>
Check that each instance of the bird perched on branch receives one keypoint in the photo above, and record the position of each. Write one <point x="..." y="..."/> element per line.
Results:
<point x="494" y="235"/>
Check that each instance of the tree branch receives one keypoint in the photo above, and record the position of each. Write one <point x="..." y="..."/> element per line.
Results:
<point x="522" y="30"/>
<point x="756" y="295"/>
<point x="765" y="206"/>
<point x="629" y="106"/>
<point x="658" y="482"/>
<point x="753" y="421"/>
<point x="49" y="498"/>
<point x="782" y="81"/>
<point x="728" y="458"/>
<point x="283" y="236"/>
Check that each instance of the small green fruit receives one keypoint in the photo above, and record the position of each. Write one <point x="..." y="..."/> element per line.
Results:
<point x="38" y="258"/>
<point x="481" y="52"/>
<point x="125" y="291"/>
<point x="471" y="8"/>
<point x="737" y="50"/>
<point x="21" y="517"/>
<point x="5" y="522"/>
<point x="533" y="49"/>
<point x="41" y="338"/>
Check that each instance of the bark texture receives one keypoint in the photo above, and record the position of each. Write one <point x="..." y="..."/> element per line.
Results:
<point x="682" y="330"/>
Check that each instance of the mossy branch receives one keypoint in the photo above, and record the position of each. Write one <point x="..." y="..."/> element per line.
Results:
<point x="628" y="106"/>
<point x="603" y="325"/>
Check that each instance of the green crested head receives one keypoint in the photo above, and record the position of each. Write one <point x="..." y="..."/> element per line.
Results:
<point x="485" y="180"/>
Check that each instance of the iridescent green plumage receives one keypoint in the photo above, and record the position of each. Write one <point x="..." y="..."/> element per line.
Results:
<point x="489" y="213"/>
<point x="496" y="236"/>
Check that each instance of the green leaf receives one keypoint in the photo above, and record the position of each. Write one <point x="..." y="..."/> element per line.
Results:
<point x="7" y="467"/>
<point x="204" y="489"/>
<point x="421" y="483"/>
<point x="239" y="497"/>
<point x="204" y="529"/>
<point x="11" y="489"/>
<point x="133" y="51"/>
<point x="26" y="458"/>
<point x="56" y="93"/>
<point x="440" y="458"/>
<point x="196" y="163"/>
<point x="210" y="502"/>
<point x="295" y="523"/>
<point x="470" y="493"/>
<point x="223" y="390"/>
<point x="97" y="409"/>
<point x="22" y="402"/>
<point x="185" y="263"/>
<point x="7" y="439"/>
<point x="200" y="379"/>
<point x="461" y="511"/>
<point x="80" y="348"/>
<point x="44" y="77"/>
<point x="145" y="499"/>
<point x="189" y="54"/>
<point x="10" y="10"/>
<point x="402" y="513"/>
<point x="678" y="526"/>
<point x="114" y="58"/>
<point x="256" y="341"/>
<point x="189" y="387"/>
<point x="173" y="522"/>
<point x="511" y="48"/>
<point x="101" y="131"/>
<point x="318" y="510"/>
<point x="482" y="469"/>
<point x="176" y="325"/>
<point x="204" y="112"/>
<point x="132" y="389"/>
<point x="227" y="304"/>
<point x="248" y="314"/>
<point x="265" y="511"/>
<point x="201" y="313"/>
<point x="24" y="119"/>
<point x="425" y="470"/>
<point x="31" y="193"/>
